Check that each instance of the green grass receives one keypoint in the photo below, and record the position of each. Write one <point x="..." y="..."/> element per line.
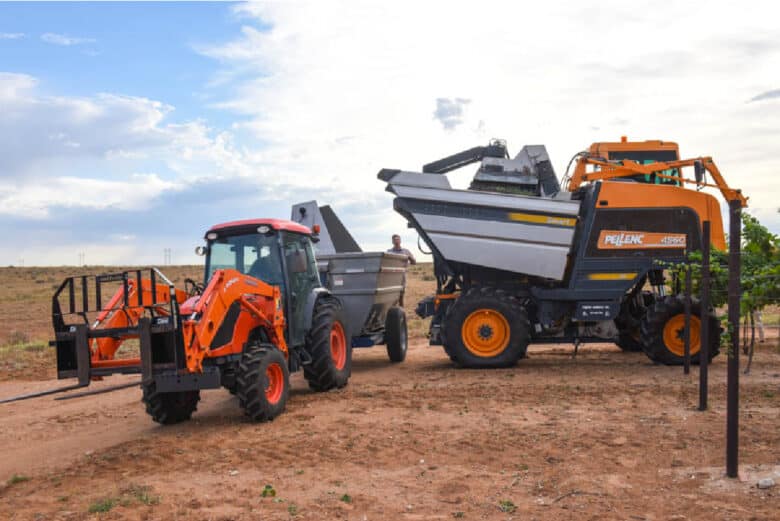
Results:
<point x="506" y="506"/>
<point x="30" y="347"/>
<point x="141" y="494"/>
<point x="346" y="498"/>
<point x="17" y="478"/>
<point x="102" y="505"/>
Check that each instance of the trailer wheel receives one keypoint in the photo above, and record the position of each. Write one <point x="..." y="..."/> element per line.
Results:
<point x="396" y="335"/>
<point x="485" y="327"/>
<point x="263" y="382"/>
<point x="330" y="347"/>
<point x="663" y="329"/>
<point x="169" y="408"/>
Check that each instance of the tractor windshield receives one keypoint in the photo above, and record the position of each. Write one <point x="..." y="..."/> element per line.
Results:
<point x="255" y="254"/>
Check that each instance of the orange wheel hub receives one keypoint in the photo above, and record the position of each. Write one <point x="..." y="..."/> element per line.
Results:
<point x="485" y="333"/>
<point x="275" y="377"/>
<point x="674" y="334"/>
<point x="338" y="345"/>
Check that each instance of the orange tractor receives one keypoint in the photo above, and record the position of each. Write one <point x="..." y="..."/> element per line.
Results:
<point x="261" y="313"/>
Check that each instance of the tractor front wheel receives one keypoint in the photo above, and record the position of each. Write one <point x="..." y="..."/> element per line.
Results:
<point x="169" y="408"/>
<point x="663" y="331"/>
<point x="263" y="382"/>
<point x="486" y="327"/>
<point x="329" y="346"/>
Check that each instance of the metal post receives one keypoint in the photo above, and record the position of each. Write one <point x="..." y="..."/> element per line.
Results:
<point x="687" y="332"/>
<point x="704" y="349"/>
<point x="732" y="402"/>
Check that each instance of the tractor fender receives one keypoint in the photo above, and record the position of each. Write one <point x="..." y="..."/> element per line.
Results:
<point x="311" y="301"/>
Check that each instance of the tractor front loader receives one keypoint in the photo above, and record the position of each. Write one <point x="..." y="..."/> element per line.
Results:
<point x="260" y="314"/>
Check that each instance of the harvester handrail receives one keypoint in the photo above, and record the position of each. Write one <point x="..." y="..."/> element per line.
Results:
<point x="627" y="167"/>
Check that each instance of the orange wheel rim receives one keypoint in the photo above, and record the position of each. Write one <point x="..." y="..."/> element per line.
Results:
<point x="674" y="334"/>
<point x="338" y="345"/>
<point x="485" y="333"/>
<point x="275" y="378"/>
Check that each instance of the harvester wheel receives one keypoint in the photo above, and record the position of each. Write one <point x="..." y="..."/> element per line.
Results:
<point x="628" y="322"/>
<point x="396" y="335"/>
<point x="486" y="327"/>
<point x="169" y="408"/>
<point x="263" y="381"/>
<point x="330" y="347"/>
<point x="663" y="329"/>
<point x="629" y="341"/>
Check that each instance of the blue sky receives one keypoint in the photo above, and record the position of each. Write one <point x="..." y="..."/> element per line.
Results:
<point x="126" y="129"/>
<point x="137" y="49"/>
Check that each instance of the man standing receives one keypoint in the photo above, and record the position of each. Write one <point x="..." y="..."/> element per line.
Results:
<point x="401" y="251"/>
<point x="409" y="260"/>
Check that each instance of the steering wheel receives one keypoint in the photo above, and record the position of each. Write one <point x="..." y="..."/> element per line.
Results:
<point x="193" y="288"/>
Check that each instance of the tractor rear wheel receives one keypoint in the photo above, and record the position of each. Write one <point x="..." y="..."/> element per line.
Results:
<point x="663" y="331"/>
<point x="396" y="335"/>
<point x="263" y="381"/>
<point x="486" y="327"/>
<point x="330" y="347"/>
<point x="169" y="408"/>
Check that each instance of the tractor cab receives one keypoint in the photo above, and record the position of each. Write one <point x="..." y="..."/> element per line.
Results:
<point x="276" y="251"/>
<point x="644" y="153"/>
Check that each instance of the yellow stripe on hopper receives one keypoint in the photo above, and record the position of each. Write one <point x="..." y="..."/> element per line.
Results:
<point x="611" y="276"/>
<point x="542" y="219"/>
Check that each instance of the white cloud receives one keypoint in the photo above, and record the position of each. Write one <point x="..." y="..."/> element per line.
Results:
<point x="85" y="152"/>
<point x="11" y="36"/>
<point x="33" y="200"/>
<point x="554" y="73"/>
<point x="64" y="40"/>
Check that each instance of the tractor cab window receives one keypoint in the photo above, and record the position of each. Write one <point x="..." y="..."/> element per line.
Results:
<point x="253" y="254"/>
<point x="303" y="277"/>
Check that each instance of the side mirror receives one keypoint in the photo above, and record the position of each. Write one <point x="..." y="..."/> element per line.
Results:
<point x="699" y="171"/>
<point x="201" y="251"/>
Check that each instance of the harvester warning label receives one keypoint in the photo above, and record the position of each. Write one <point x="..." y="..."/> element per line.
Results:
<point x="623" y="240"/>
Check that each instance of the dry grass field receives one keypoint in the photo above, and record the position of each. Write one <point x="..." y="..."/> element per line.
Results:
<point x="606" y="435"/>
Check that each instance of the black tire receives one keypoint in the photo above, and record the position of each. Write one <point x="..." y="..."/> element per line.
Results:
<point x="263" y="381"/>
<point x="396" y="334"/>
<point x="501" y="310"/>
<point x="662" y="338"/>
<point x="229" y="377"/>
<point x="324" y="372"/>
<point x="629" y="321"/>
<point x="628" y="342"/>
<point x="169" y="408"/>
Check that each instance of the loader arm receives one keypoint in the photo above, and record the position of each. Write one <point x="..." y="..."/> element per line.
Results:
<point x="119" y="315"/>
<point x="260" y="301"/>
<point x="610" y="170"/>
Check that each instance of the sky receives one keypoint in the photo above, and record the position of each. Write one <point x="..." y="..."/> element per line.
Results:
<point x="129" y="129"/>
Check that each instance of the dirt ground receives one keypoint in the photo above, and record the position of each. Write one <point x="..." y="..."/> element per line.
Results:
<point x="607" y="435"/>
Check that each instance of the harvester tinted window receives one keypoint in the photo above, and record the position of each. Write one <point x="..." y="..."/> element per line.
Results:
<point x="646" y="157"/>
